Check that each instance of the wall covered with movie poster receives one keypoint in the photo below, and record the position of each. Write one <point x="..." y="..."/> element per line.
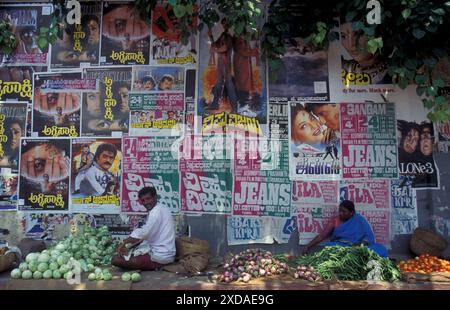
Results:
<point x="118" y="104"/>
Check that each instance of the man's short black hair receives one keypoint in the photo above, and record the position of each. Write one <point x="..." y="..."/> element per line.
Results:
<point x="148" y="78"/>
<point x="105" y="147"/>
<point x="147" y="190"/>
<point x="349" y="205"/>
<point x="167" y="77"/>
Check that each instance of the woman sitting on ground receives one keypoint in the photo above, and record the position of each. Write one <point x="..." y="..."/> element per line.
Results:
<point x="349" y="229"/>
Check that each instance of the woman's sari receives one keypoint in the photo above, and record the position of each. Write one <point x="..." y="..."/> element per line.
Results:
<point x="354" y="231"/>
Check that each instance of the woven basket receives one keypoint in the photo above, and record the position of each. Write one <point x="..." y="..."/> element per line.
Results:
<point x="6" y="261"/>
<point x="188" y="246"/>
<point x="424" y="241"/>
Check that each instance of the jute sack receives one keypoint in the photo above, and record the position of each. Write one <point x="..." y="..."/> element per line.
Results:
<point x="425" y="241"/>
<point x="194" y="263"/>
<point x="186" y="246"/>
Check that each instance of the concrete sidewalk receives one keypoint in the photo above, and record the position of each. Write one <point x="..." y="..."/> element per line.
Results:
<point x="163" y="280"/>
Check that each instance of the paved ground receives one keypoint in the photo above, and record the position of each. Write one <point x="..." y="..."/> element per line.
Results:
<point x="162" y="280"/>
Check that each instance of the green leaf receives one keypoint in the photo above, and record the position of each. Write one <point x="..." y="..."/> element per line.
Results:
<point x="431" y="91"/>
<point x="179" y="11"/>
<point x="406" y="13"/>
<point x="42" y="42"/>
<point x="272" y="40"/>
<point x="358" y="25"/>
<point x="430" y="62"/>
<point x="420" y="79"/>
<point x="420" y="90"/>
<point x="189" y="9"/>
<point x="428" y="103"/>
<point x="418" y="33"/>
<point x="441" y="100"/>
<point x="439" y="11"/>
<point x="239" y="28"/>
<point x="350" y="16"/>
<point x="52" y="38"/>
<point x="438" y="83"/>
<point x="173" y="3"/>
<point x="7" y="50"/>
<point x="402" y="83"/>
<point x="44" y="30"/>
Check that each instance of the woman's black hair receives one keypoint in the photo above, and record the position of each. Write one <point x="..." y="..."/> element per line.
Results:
<point x="349" y="205"/>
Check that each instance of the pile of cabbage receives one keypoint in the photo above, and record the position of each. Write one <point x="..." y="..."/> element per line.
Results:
<point x="79" y="252"/>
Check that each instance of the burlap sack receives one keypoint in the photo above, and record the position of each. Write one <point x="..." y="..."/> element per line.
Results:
<point x="194" y="263"/>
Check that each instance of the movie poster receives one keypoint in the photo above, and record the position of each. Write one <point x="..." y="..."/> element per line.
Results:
<point x="57" y="102"/>
<point x="205" y="174"/>
<point x="8" y="192"/>
<point x="149" y="161"/>
<point x="312" y="220"/>
<point x="44" y="226"/>
<point x="278" y="119"/>
<point x="166" y="44"/>
<point x="232" y="83"/>
<point x="96" y="175"/>
<point x="125" y="36"/>
<point x="314" y="204"/>
<point x="314" y="192"/>
<point x="404" y="207"/>
<point x="26" y="21"/>
<point x="12" y="128"/>
<point x="315" y="145"/>
<point x="157" y="102"/>
<point x="442" y="71"/>
<point x="369" y="141"/>
<point x="415" y="153"/>
<point x="251" y="230"/>
<point x="16" y="83"/>
<point x="80" y="44"/>
<point x="190" y="99"/>
<point x="120" y="225"/>
<point x="44" y="174"/>
<point x="362" y="74"/>
<point x="106" y="112"/>
<point x="372" y="200"/>
<point x="261" y="178"/>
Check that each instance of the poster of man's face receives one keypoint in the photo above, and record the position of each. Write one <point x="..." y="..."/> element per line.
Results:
<point x="96" y="167"/>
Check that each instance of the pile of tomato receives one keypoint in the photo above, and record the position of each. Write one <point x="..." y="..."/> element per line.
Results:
<point x="425" y="264"/>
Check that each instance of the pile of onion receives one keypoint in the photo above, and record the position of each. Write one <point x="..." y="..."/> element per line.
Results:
<point x="251" y="263"/>
<point x="307" y="273"/>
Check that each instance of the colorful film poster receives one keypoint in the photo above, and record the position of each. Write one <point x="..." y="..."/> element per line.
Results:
<point x="26" y="20"/>
<point x="80" y="44"/>
<point x="166" y="42"/>
<point x="232" y="83"/>
<point x="106" y="112"/>
<point x="57" y="103"/>
<point x="372" y="200"/>
<point x="404" y="207"/>
<point x="96" y="175"/>
<point x="8" y="192"/>
<point x="44" y="174"/>
<point x="369" y="141"/>
<point x="150" y="161"/>
<point x="125" y="36"/>
<point x="205" y="175"/>
<point x="261" y="181"/>
<point x="314" y="204"/>
<point x="315" y="144"/>
<point x="16" y="83"/>
<point x="12" y="128"/>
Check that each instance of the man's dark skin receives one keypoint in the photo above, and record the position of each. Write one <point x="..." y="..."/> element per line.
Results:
<point x="149" y="202"/>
